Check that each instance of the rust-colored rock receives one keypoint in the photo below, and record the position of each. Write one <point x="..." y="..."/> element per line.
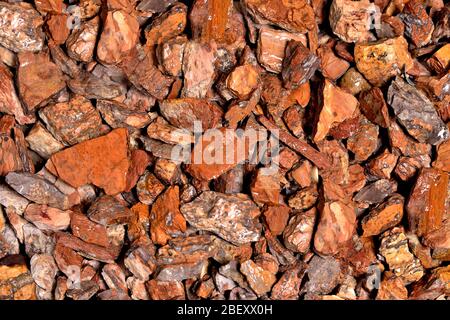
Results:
<point x="209" y="19"/>
<point x="16" y="282"/>
<point x="374" y="107"/>
<point x="271" y="47"/>
<point x="167" y="26"/>
<point x="74" y="121"/>
<point x="42" y="141"/>
<point x="170" y="55"/>
<point x="260" y="280"/>
<point x="81" y="42"/>
<point x="443" y="156"/>
<point x="354" y="82"/>
<point x="383" y="217"/>
<point x="38" y="78"/>
<point x="331" y="66"/>
<point x="265" y="188"/>
<point x="392" y="288"/>
<point x="299" y="65"/>
<point x="427" y="203"/>
<point x="336" y="226"/>
<point x="440" y="60"/>
<point x="364" y="142"/>
<point x="119" y="36"/>
<point x="165" y="290"/>
<point x="383" y="165"/>
<point x="9" y="102"/>
<point x="380" y="61"/>
<point x="299" y="231"/>
<point x="276" y="218"/>
<point x="166" y="220"/>
<point x="418" y="24"/>
<point x="101" y="161"/>
<point x="295" y="16"/>
<point x="337" y="106"/>
<point x="148" y="188"/>
<point x="47" y="218"/>
<point x="351" y="20"/>
<point x="242" y="81"/>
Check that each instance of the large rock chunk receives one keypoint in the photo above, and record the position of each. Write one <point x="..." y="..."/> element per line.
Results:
<point x="35" y="188"/>
<point x="379" y="61"/>
<point x="74" y="121"/>
<point x="120" y="34"/>
<point x="294" y="16"/>
<point x="416" y="113"/>
<point x="9" y="102"/>
<point x="231" y="217"/>
<point x="20" y="27"/>
<point x="39" y="79"/>
<point x="16" y="282"/>
<point x="426" y="206"/>
<point x="182" y="113"/>
<point x="350" y="20"/>
<point x="101" y="161"/>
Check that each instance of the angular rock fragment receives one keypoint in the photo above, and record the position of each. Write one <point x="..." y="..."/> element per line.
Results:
<point x="383" y="217"/>
<point x="43" y="270"/>
<point x="299" y="65"/>
<point x="165" y="290"/>
<point x="394" y="248"/>
<point x="418" y="24"/>
<point x="161" y="130"/>
<point x="351" y="20"/>
<point x="231" y="217"/>
<point x="36" y="241"/>
<point x="114" y="277"/>
<point x="374" y="107"/>
<point x="405" y="144"/>
<point x="354" y="82"/>
<point x="260" y="280"/>
<point x="9" y="102"/>
<point x="20" y="27"/>
<point x="440" y="60"/>
<point x="295" y="16"/>
<point x="119" y="115"/>
<point x="331" y="66"/>
<point x="337" y="106"/>
<point x="107" y="210"/>
<point x="88" y="230"/>
<point x="166" y="220"/>
<point x="101" y="161"/>
<point x="427" y="203"/>
<point x="380" y="61"/>
<point x="276" y="218"/>
<point x="141" y="263"/>
<point x="88" y="250"/>
<point x="242" y="81"/>
<point x="72" y="122"/>
<point x="93" y="87"/>
<point x="16" y="282"/>
<point x="265" y="189"/>
<point x="364" y="141"/>
<point x="376" y="192"/>
<point x="42" y="141"/>
<point x="383" y="165"/>
<point x="392" y="288"/>
<point x="170" y="55"/>
<point x="324" y="274"/>
<point x="182" y="113"/>
<point x="168" y="25"/>
<point x="416" y="113"/>
<point x="298" y="233"/>
<point x="47" y="218"/>
<point x="271" y="47"/>
<point x="336" y="226"/>
<point x="303" y="199"/>
<point x="9" y="244"/>
<point x="119" y="35"/>
<point x="198" y="69"/>
<point x="38" y="78"/>
<point x="148" y="188"/>
<point x="81" y="42"/>
<point x="443" y="156"/>
<point x="37" y="189"/>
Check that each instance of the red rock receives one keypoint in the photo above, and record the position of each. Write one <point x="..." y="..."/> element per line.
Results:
<point x="354" y="82"/>
<point x="198" y="69"/>
<point x="350" y="20"/>
<point x="305" y="174"/>
<point x="332" y="112"/>
<point x="107" y="211"/>
<point x="166" y="220"/>
<point x="271" y="47"/>
<point x="374" y="107"/>
<point x="364" y="142"/>
<point x="87" y="250"/>
<point x="418" y="24"/>
<point x="9" y="102"/>
<point x="299" y="65"/>
<point x="383" y="217"/>
<point x="288" y="286"/>
<point x="392" y="288"/>
<point x="47" y="218"/>
<point x="139" y="161"/>
<point x="379" y="61"/>
<point x="440" y="60"/>
<point x="336" y="226"/>
<point x="242" y="81"/>
<point x="304" y="198"/>
<point x="265" y="189"/>
<point x="165" y="290"/>
<point x="16" y="282"/>
<point x="101" y="161"/>
<point x="168" y="25"/>
<point x="404" y="143"/>
<point x="260" y="280"/>
<point x="170" y="55"/>
<point x="74" y="121"/>
<point x="426" y="204"/>
<point x="88" y="230"/>
<point x="57" y="25"/>
<point x="81" y="43"/>
<point x="442" y="161"/>
<point x="119" y="36"/>
<point x="183" y="112"/>
<point x="295" y="16"/>
<point x="276" y="218"/>
<point x="331" y="66"/>
<point x="383" y="165"/>
<point x="39" y="79"/>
